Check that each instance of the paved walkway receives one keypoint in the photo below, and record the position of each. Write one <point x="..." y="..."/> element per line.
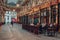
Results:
<point x="17" y="33"/>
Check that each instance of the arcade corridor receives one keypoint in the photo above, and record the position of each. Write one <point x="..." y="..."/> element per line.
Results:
<point x="17" y="33"/>
<point x="31" y="19"/>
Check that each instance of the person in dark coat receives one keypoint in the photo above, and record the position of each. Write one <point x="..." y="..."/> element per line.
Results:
<point x="40" y="29"/>
<point x="49" y="29"/>
<point x="12" y="23"/>
<point x="57" y="28"/>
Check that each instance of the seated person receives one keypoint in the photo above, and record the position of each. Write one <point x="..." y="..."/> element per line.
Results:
<point x="32" y="24"/>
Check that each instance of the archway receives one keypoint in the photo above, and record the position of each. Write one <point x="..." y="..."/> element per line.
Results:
<point x="9" y="15"/>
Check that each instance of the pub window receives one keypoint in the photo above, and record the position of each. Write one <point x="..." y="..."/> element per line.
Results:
<point x="53" y="9"/>
<point x="59" y="14"/>
<point x="54" y="18"/>
<point x="45" y="13"/>
<point x="41" y="14"/>
<point x="50" y="14"/>
<point x="26" y="19"/>
<point x="41" y="18"/>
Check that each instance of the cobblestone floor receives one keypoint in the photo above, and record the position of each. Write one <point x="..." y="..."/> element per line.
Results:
<point x="17" y="33"/>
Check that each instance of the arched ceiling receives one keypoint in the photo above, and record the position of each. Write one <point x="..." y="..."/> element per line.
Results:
<point x="5" y="7"/>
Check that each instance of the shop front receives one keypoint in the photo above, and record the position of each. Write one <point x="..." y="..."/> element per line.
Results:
<point x="30" y="19"/>
<point x="24" y="19"/>
<point x="59" y="16"/>
<point x="59" y="13"/>
<point x="36" y="20"/>
<point x="44" y="12"/>
<point x="47" y="15"/>
<point x="44" y="17"/>
<point x="54" y="13"/>
<point x="20" y="20"/>
<point x="25" y="22"/>
<point x="41" y="16"/>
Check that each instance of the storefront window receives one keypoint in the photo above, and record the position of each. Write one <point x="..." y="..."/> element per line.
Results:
<point x="41" y="14"/>
<point x="36" y="20"/>
<point x="47" y="16"/>
<point x="59" y="13"/>
<point x="26" y="19"/>
<point x="41" y="17"/>
<point x="45" y="13"/>
<point x="53" y="10"/>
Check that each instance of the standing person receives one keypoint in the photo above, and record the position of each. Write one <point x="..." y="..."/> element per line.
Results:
<point x="43" y="28"/>
<point x="57" y="29"/>
<point x="12" y="23"/>
<point x="40" y="28"/>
